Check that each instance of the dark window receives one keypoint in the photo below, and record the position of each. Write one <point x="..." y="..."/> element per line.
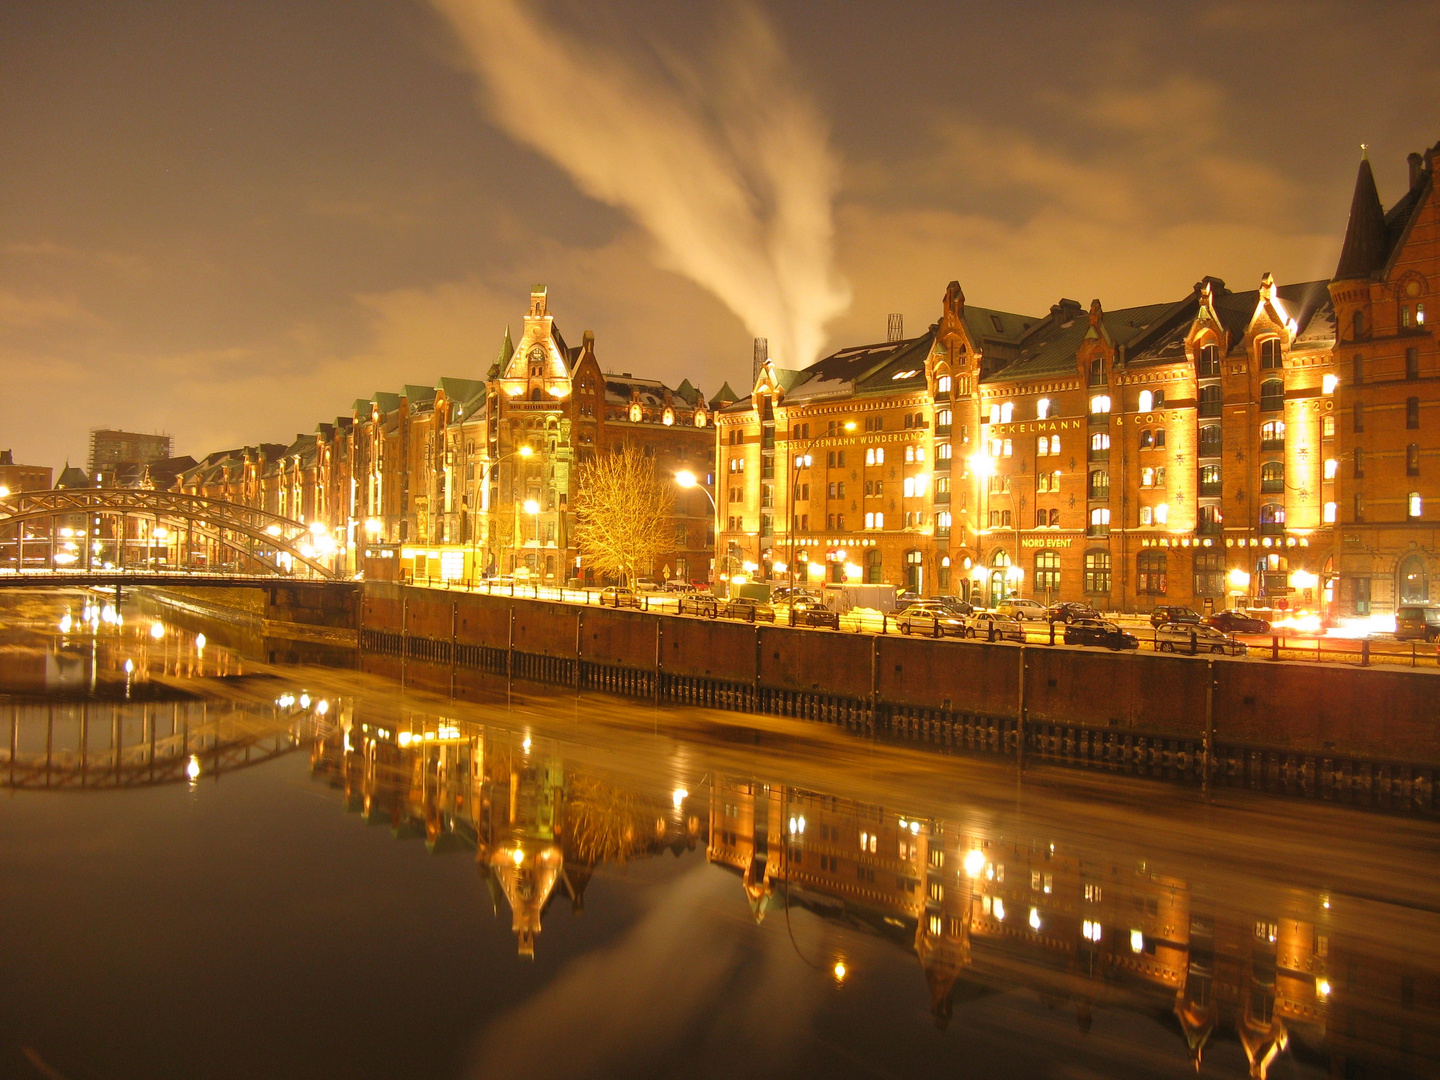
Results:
<point x="1210" y="440"/>
<point x="1272" y="519"/>
<point x="1412" y="460"/>
<point x="1047" y="572"/>
<point x="873" y="567"/>
<point x="1208" y="523"/>
<point x="1147" y="439"/>
<point x="1209" y="362"/>
<point x="1357" y="323"/>
<point x="1159" y="400"/>
<point x="1412" y="412"/>
<point x="1357" y="373"/>
<point x="1359" y="463"/>
<point x="1362" y="594"/>
<point x="1270" y="353"/>
<point x="1359" y="416"/>
<point x="1097" y="372"/>
<point x="1150" y="573"/>
<point x="1359" y="506"/>
<point x="1159" y="438"/>
<point x="1272" y="395"/>
<point x="1097" y="572"/>
<point x="1209" y="573"/>
<point x="1099" y="485"/>
<point x="1412" y="364"/>
<point x="1209" y="400"/>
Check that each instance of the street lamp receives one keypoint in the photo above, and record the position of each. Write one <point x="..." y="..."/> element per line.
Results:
<point x="848" y="426"/>
<point x="687" y="479"/>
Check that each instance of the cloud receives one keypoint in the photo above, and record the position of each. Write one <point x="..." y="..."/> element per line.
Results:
<point x="727" y="167"/>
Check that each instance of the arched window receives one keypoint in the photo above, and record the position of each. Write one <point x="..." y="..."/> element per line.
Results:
<point x="1209" y="479"/>
<point x="1047" y="572"/>
<point x="1272" y="395"/>
<point x="1042" y="446"/>
<point x="1147" y="477"/>
<point x="1209" y="573"/>
<point x="1209" y="400"/>
<point x="1414" y="580"/>
<point x="1042" y="409"/>
<point x="1272" y="519"/>
<point x="1150" y="573"/>
<point x="1272" y="435"/>
<point x="1097" y="572"/>
<point x="1270" y="353"/>
<point x="1000" y="578"/>
<point x="1414" y="505"/>
<point x="1272" y="477"/>
<point x="1097" y="372"/>
<point x="1147" y="439"/>
<point x="1100" y="405"/>
<point x="1147" y="401"/>
<point x="1210" y="440"/>
<point x="1412" y="413"/>
<point x="942" y="384"/>
<point x="1357" y="324"/>
<point x="942" y="578"/>
<point x="1357" y="370"/>
<point x="1159" y="438"/>
<point x="1412" y="459"/>
<point x="1359" y="463"/>
<point x="915" y="571"/>
<point x="1007" y="412"/>
<point x="874" y="566"/>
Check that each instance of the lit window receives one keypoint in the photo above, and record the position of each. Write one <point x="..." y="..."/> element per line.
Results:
<point x="1330" y="512"/>
<point x="1147" y="478"/>
<point x="1419" y="314"/>
<point x="1415" y="504"/>
<point x="869" y="521"/>
<point x="1162" y="513"/>
<point x="920" y="453"/>
<point x="994" y="414"/>
<point x="1054" y="444"/>
<point x="942" y="384"/>
<point x="909" y="373"/>
<point x="1006" y="412"/>
<point x="879" y="455"/>
<point x="1147" y="401"/>
<point x="1328" y="383"/>
<point x="1099" y="404"/>
<point x="1009" y="448"/>
<point x="909" y="486"/>
<point x="909" y="454"/>
<point x="1042" y="409"/>
<point x="1042" y="446"/>
<point x="1145" y="516"/>
<point x="996" y="445"/>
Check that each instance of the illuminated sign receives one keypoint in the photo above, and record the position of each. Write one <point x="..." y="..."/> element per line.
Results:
<point x="1046" y="541"/>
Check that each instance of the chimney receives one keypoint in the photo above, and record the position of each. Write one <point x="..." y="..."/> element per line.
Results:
<point x="762" y="353"/>
<point x="1417" y="164"/>
<point x="895" y="328"/>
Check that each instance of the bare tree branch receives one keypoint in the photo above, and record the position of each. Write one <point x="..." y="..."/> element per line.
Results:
<point x="623" y="516"/>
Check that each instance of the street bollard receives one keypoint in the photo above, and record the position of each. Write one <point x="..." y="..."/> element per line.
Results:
<point x="1274" y="646"/>
<point x="1365" y="653"/>
<point x="936" y="632"/>
<point x="990" y="634"/>
<point x="884" y="622"/>
<point x="1194" y="642"/>
<point x="1052" y="631"/>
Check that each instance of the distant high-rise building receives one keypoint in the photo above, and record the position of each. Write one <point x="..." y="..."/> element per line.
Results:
<point x="111" y="449"/>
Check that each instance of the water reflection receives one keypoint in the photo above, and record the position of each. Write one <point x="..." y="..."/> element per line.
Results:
<point x="980" y="906"/>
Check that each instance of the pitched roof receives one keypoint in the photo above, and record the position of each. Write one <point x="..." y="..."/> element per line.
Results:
<point x="1365" y="243"/>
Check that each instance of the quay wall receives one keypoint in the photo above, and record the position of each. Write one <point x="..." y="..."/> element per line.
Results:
<point x="1061" y="701"/>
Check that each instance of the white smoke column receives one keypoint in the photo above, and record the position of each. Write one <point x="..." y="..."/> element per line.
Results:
<point x="729" y="169"/>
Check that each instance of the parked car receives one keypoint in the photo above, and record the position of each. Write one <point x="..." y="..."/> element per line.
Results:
<point x="930" y="619"/>
<point x="1189" y="637"/>
<point x="743" y="607"/>
<point x="649" y="585"/>
<point x="698" y="603"/>
<point x="806" y="611"/>
<point x="1099" y="632"/>
<point x="785" y="594"/>
<point x="1069" y="611"/>
<point x="675" y="585"/>
<point x="618" y="596"/>
<point x="1020" y="609"/>
<point x="955" y="604"/>
<point x="993" y="626"/>
<point x="1237" y="622"/>
<point x="1414" y="622"/>
<point x="1169" y="613"/>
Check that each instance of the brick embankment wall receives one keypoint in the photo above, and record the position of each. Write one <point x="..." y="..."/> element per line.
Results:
<point x="1326" y="730"/>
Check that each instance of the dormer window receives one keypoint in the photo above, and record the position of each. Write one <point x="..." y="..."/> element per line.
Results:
<point x="635" y="413"/>
<point x="1270" y="353"/>
<point x="1097" y="372"/>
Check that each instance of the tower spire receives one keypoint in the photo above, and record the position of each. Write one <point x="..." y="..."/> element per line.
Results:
<point x="1364" y="248"/>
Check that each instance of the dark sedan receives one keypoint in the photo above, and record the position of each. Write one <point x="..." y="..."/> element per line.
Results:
<point x="1099" y="632"/>
<point x="1237" y="622"/>
<point x="807" y="612"/>
<point x="1069" y="611"/>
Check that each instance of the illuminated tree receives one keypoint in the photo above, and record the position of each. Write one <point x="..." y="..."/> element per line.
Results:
<point x="623" y="514"/>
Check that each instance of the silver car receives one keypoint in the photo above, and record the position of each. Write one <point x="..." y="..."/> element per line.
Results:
<point x="1192" y="638"/>
<point x="930" y="620"/>
<point x="992" y="626"/>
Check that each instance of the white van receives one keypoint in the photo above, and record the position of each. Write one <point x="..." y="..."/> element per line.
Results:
<point x="844" y="597"/>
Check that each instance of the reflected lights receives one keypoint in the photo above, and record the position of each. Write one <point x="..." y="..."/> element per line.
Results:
<point x="1137" y="941"/>
<point x="974" y="862"/>
<point x="192" y="768"/>
<point x="1322" y="987"/>
<point x="840" y="971"/>
<point x="157" y="630"/>
<point x="1034" y="918"/>
<point x="678" y="796"/>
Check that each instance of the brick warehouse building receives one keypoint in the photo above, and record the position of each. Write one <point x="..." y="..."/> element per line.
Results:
<point x="1259" y="447"/>
<point x="446" y="471"/>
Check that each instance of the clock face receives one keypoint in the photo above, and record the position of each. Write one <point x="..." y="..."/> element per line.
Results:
<point x="1412" y="288"/>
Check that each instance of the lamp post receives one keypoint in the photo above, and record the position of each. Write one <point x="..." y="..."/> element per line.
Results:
<point x="983" y="466"/>
<point x="795" y="467"/>
<point x="524" y="451"/>
<point x="687" y="479"/>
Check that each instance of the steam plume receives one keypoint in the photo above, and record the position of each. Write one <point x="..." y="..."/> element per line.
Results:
<point x="727" y="168"/>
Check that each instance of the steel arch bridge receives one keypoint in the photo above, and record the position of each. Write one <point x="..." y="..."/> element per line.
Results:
<point x="74" y="532"/>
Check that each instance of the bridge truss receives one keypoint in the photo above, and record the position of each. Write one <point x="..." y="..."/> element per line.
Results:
<point x="72" y="530"/>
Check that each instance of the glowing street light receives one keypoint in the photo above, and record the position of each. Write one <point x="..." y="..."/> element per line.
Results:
<point x="531" y="506"/>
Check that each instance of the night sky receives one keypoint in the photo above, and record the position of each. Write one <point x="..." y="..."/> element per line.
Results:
<point x="228" y="221"/>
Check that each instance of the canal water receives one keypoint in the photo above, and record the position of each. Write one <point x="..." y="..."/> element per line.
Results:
<point x="222" y="856"/>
